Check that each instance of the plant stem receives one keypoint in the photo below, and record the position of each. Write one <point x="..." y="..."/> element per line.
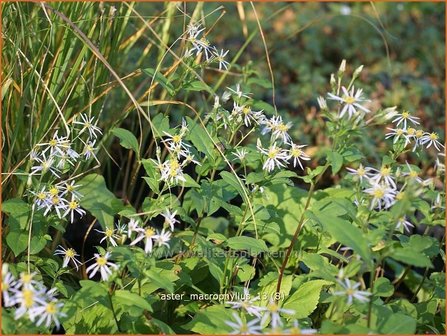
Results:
<point x="114" y="313"/>
<point x="298" y="229"/>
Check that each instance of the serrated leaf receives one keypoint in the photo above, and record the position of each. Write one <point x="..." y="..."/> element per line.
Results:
<point x="305" y="299"/>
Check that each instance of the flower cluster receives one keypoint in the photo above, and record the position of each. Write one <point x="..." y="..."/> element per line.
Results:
<point x="268" y="315"/>
<point x="408" y="134"/>
<point x="201" y="45"/>
<point x="171" y="170"/>
<point x="30" y="298"/>
<point x="58" y="157"/>
<point x="280" y="149"/>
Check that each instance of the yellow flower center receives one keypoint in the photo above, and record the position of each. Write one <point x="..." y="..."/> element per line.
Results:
<point x="70" y="253"/>
<point x="246" y="110"/>
<point x="296" y="152"/>
<point x="411" y="131"/>
<point x="283" y="128"/>
<point x="399" y="131"/>
<point x="378" y="193"/>
<point x="69" y="187"/>
<point x="385" y="171"/>
<point x="73" y="205"/>
<point x="350" y="291"/>
<point x="176" y="139"/>
<point x="53" y="143"/>
<point x="55" y="200"/>
<point x="433" y="136"/>
<point x="272" y="307"/>
<point x="413" y="174"/>
<point x="28" y="298"/>
<point x="5" y="286"/>
<point x="273" y="152"/>
<point x="361" y="171"/>
<point x="41" y="196"/>
<point x="51" y="308"/>
<point x="419" y="133"/>
<point x="349" y="100"/>
<point x="26" y="278"/>
<point x="54" y="191"/>
<point x="109" y="232"/>
<point x="149" y="232"/>
<point x="405" y="114"/>
<point x="101" y="261"/>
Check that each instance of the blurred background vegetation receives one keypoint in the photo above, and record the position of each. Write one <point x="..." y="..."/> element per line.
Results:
<point x="49" y="69"/>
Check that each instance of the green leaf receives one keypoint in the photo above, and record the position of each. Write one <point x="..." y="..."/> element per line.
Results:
<point x="161" y="280"/>
<point x="128" y="298"/>
<point x="336" y="161"/>
<point x="304" y="301"/>
<point x="344" y="232"/>
<point x="252" y="245"/>
<point x="15" y="207"/>
<point x="127" y="139"/>
<point x="17" y="241"/>
<point x="160" y="79"/>
<point x="398" y="324"/>
<point x="211" y="320"/>
<point x="383" y="287"/>
<point x="99" y="200"/>
<point x="200" y="139"/>
<point x="153" y="179"/>
<point x="161" y="124"/>
<point x="409" y="256"/>
<point x="286" y="203"/>
<point x="197" y="86"/>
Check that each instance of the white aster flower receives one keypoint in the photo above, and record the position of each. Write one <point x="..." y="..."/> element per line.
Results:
<point x="273" y="311"/>
<point x="148" y="234"/>
<point x="9" y="285"/>
<point x="297" y="330"/>
<point x="243" y="328"/>
<point x="404" y="117"/>
<point x="109" y="235"/>
<point x="382" y="176"/>
<point x="72" y="208"/>
<point x="351" y="292"/>
<point x="69" y="255"/>
<point x="297" y="154"/>
<point x="89" y="150"/>
<point x="57" y="145"/>
<point x="172" y="172"/>
<point x="27" y="299"/>
<point x="133" y="226"/>
<point x="162" y="238"/>
<point x="88" y="124"/>
<point x="247" y="304"/>
<point x="170" y="218"/>
<point x="48" y="312"/>
<point x="219" y="57"/>
<point x="351" y="102"/>
<point x="383" y="196"/>
<point x="404" y="223"/>
<point x="396" y="134"/>
<point x="44" y="165"/>
<point x="413" y="174"/>
<point x="361" y="172"/>
<point x="238" y="92"/>
<point x="430" y="139"/>
<point x="240" y="153"/>
<point x="103" y="265"/>
<point x="276" y="157"/>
